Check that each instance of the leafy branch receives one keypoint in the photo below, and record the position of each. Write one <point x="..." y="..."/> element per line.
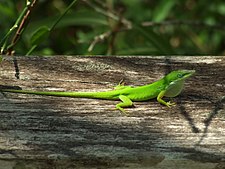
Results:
<point x="20" y="25"/>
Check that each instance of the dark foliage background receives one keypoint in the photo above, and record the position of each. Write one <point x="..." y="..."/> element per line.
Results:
<point x="113" y="27"/>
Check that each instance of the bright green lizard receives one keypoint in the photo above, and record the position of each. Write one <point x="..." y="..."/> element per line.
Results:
<point x="169" y="86"/>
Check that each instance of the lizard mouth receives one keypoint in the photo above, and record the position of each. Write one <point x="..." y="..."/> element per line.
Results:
<point x="188" y="73"/>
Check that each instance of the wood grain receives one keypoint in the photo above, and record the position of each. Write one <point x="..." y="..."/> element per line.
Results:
<point x="78" y="133"/>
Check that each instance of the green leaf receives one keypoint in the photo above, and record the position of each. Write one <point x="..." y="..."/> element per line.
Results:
<point x="78" y="18"/>
<point x="156" y="40"/>
<point x="39" y="35"/>
<point x="163" y="9"/>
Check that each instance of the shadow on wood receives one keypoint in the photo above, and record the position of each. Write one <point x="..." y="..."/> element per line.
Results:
<point x="71" y="132"/>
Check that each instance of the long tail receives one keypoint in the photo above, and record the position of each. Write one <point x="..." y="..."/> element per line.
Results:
<point x="109" y="95"/>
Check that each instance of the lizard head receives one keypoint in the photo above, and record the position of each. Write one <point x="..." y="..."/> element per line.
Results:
<point x="174" y="81"/>
<point x="178" y="75"/>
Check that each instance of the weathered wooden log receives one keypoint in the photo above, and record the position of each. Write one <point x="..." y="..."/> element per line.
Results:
<point x="60" y="132"/>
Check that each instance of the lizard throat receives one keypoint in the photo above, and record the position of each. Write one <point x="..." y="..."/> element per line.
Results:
<point x="174" y="88"/>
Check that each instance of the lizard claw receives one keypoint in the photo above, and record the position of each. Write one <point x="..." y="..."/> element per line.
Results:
<point x="169" y="104"/>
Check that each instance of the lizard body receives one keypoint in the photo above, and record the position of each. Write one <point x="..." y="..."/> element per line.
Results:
<point x="170" y="86"/>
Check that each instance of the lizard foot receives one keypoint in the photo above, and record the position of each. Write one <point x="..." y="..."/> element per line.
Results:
<point x="169" y="104"/>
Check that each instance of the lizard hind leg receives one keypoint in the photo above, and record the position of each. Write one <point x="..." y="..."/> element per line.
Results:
<point x="126" y="102"/>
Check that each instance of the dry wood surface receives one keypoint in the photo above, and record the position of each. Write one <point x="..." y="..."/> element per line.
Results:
<point x="60" y="132"/>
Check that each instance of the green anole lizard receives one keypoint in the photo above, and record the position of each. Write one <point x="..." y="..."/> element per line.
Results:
<point x="169" y="86"/>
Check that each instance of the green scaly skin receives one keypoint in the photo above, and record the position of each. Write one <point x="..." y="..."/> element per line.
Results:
<point x="169" y="86"/>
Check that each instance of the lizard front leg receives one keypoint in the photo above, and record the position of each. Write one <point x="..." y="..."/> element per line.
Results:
<point x="160" y="100"/>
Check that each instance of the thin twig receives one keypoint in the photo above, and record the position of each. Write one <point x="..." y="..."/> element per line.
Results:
<point x="53" y="25"/>
<point x="21" y="27"/>
<point x="98" y="39"/>
<point x="121" y="24"/>
<point x="63" y="14"/>
<point x="179" y="22"/>
<point x="111" y="15"/>
<point x="115" y="29"/>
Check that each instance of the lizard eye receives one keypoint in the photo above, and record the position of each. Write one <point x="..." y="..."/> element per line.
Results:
<point x="179" y="75"/>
